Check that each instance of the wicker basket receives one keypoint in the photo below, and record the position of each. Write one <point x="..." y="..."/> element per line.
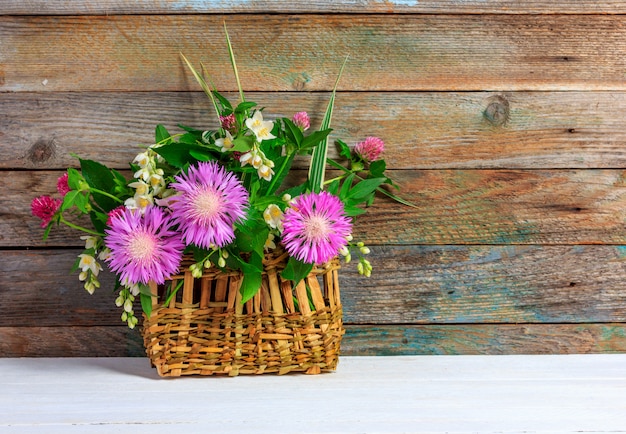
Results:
<point x="206" y="329"/>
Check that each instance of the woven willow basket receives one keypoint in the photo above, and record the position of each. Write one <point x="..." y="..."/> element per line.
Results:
<point x="206" y="330"/>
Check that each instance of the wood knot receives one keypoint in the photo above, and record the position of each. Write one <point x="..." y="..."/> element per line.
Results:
<point x="498" y="111"/>
<point x="300" y="80"/>
<point x="41" y="151"/>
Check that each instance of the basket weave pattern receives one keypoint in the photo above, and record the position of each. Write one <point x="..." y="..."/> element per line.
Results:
<point x="206" y="329"/>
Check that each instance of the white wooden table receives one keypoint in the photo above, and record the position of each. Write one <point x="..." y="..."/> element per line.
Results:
<point x="452" y="394"/>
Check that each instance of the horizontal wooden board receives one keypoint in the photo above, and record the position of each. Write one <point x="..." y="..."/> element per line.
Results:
<point x="451" y="207"/>
<point x="422" y="130"/>
<point x="112" y="7"/>
<point x="409" y="285"/>
<point x="486" y="339"/>
<point x="304" y="52"/>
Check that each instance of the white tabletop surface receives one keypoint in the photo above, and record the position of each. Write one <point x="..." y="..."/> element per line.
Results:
<point x="408" y="394"/>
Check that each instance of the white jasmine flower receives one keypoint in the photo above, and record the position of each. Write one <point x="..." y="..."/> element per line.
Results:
<point x="90" y="241"/>
<point x="88" y="262"/>
<point x="225" y="143"/>
<point x="273" y="216"/>
<point x="261" y="129"/>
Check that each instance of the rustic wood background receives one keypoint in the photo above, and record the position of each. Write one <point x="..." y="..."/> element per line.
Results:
<point x="504" y="122"/>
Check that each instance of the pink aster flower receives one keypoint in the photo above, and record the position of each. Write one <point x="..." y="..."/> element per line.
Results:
<point x="211" y="201"/>
<point x="302" y="121"/>
<point x="370" y="149"/>
<point x="62" y="185"/>
<point x="45" y="207"/>
<point x="143" y="247"/>
<point x="315" y="228"/>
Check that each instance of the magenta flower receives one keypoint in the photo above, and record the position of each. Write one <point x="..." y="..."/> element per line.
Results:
<point x="144" y="247"/>
<point x="210" y="202"/>
<point x="315" y="227"/>
<point x="45" y="207"/>
<point x="370" y="149"/>
<point x="62" y="185"/>
<point x="302" y="121"/>
<point x="114" y="213"/>
<point x="228" y="122"/>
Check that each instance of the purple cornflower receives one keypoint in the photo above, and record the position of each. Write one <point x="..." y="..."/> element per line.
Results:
<point x="315" y="227"/>
<point x="370" y="149"/>
<point x="45" y="207"/>
<point x="210" y="202"/>
<point x="302" y="121"/>
<point x="144" y="247"/>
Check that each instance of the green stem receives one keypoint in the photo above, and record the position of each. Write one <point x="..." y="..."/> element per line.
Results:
<point x="338" y="178"/>
<point x="80" y="228"/>
<point x="270" y="189"/>
<point x="104" y="193"/>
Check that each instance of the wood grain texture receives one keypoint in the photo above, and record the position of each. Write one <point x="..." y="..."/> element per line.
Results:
<point x="452" y="207"/>
<point x="359" y="340"/>
<point x="112" y="7"/>
<point x="387" y="52"/>
<point x="409" y="285"/>
<point x="526" y="130"/>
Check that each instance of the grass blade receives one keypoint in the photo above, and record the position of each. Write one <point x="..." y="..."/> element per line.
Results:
<point x="320" y="152"/>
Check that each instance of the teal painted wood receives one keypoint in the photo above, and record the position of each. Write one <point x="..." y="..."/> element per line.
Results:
<point x="359" y="340"/>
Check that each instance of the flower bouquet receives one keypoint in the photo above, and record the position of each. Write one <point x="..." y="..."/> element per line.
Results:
<point x="233" y="261"/>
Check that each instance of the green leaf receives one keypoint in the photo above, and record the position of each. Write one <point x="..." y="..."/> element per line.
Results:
<point x="333" y="188"/>
<point x="203" y="84"/>
<point x="345" y="188"/>
<point x="231" y="53"/>
<point x="75" y="198"/>
<point x="364" y="188"/>
<point x="146" y="303"/>
<point x="320" y="152"/>
<point x="296" y="270"/>
<point x="98" y="220"/>
<point x="315" y="139"/>
<point x="293" y="133"/>
<point x="161" y="134"/>
<point x="353" y="211"/>
<point x="243" y="144"/>
<point x="244" y="106"/>
<point x="201" y="155"/>
<point x="99" y="176"/>
<point x="283" y="165"/>
<point x="74" y="179"/>
<point x="179" y="154"/>
<point x="252" y="276"/>
<point x="377" y="168"/>
<point x="344" y="149"/>
<point x="226" y="105"/>
<point x="252" y="234"/>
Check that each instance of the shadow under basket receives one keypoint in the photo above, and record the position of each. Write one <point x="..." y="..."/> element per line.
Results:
<point x="206" y="330"/>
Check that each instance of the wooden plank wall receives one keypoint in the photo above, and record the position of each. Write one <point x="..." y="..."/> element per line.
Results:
<point x="504" y="123"/>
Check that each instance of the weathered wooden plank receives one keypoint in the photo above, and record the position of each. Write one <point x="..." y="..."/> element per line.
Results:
<point x="359" y="340"/>
<point x="113" y="7"/>
<point x="410" y="285"/>
<point x="387" y="52"/>
<point x="452" y="207"/>
<point x="527" y="130"/>
<point x="487" y="339"/>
